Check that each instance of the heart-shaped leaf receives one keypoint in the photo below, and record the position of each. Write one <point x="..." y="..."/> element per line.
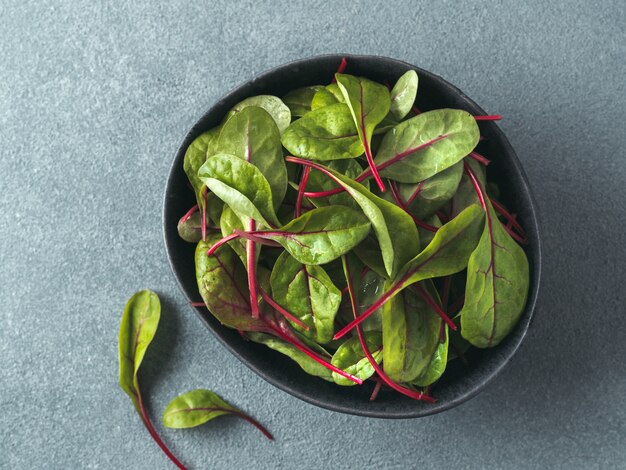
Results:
<point x="326" y="96"/>
<point x="351" y="358"/>
<point x="403" y="94"/>
<point x="190" y="229"/>
<point x="198" y="151"/>
<point x="308" y="293"/>
<point x="273" y="105"/>
<point x="424" y="145"/>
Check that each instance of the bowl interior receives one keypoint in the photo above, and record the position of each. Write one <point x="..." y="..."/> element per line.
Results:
<point x="460" y="382"/>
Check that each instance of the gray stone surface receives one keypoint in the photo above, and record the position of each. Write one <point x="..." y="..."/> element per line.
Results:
<point x="95" y="98"/>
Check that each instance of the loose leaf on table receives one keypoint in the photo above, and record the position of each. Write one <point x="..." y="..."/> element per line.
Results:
<point x="326" y="133"/>
<point x="321" y="235"/>
<point x="403" y="94"/>
<point x="299" y="100"/>
<point x="197" y="407"/>
<point x="497" y="286"/>
<point x="190" y="229"/>
<point x="369" y="104"/>
<point x="411" y="332"/>
<point x="198" y="151"/>
<point x="138" y="327"/>
<point x="273" y="105"/>
<point x="326" y="96"/>
<point x="222" y="282"/>
<point x="394" y="228"/>
<point x="305" y="362"/>
<point x="241" y="185"/>
<point x="252" y="135"/>
<point x="351" y="358"/>
<point x="424" y="145"/>
<point x="426" y="197"/>
<point x="308" y="293"/>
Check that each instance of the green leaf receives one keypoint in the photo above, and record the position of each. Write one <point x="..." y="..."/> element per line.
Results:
<point x="252" y="135"/>
<point x="497" y="286"/>
<point x="426" y="144"/>
<point x="273" y="105"/>
<point x="426" y="236"/>
<point x="229" y="222"/>
<point x="194" y="408"/>
<point x="326" y="133"/>
<point x="223" y="285"/>
<point x="428" y="196"/>
<point x="326" y="96"/>
<point x="305" y="362"/>
<point x="350" y="358"/>
<point x="322" y="235"/>
<point x="198" y="151"/>
<point x="465" y="195"/>
<point x="191" y="229"/>
<point x="319" y="182"/>
<point x="449" y="251"/>
<point x="299" y="100"/>
<point x="403" y="94"/>
<point x="397" y="236"/>
<point x="368" y="102"/>
<point x="137" y="329"/>
<point x="308" y="293"/>
<point x="411" y="332"/>
<point x="241" y="185"/>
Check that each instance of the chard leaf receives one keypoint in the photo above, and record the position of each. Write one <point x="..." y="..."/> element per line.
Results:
<point x="351" y="358"/>
<point x="190" y="230"/>
<point x="223" y="285"/>
<point x="241" y="185"/>
<point x="497" y="286"/>
<point x="229" y="222"/>
<point x="319" y="182"/>
<point x="424" y="145"/>
<point x="403" y="95"/>
<point x="305" y="362"/>
<point x="273" y="105"/>
<point x="322" y="235"/>
<point x="326" y="96"/>
<point x="308" y="293"/>
<point x="326" y="133"/>
<point x="299" y="101"/>
<point x="198" y="151"/>
<point x="252" y="135"/>
<point x="137" y="329"/>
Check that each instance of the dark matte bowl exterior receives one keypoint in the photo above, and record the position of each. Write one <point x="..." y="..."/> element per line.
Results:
<point x="460" y="383"/>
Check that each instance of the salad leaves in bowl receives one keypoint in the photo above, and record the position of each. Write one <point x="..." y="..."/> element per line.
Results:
<point x="359" y="233"/>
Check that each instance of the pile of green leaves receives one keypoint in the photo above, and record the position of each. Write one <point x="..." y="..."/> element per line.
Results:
<point x="335" y="224"/>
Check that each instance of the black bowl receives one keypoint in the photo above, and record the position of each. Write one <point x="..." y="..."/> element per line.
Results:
<point x="459" y="383"/>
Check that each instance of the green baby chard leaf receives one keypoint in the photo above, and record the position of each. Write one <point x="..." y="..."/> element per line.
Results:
<point x="273" y="105"/>
<point x="319" y="182"/>
<point x="252" y="135"/>
<point x="330" y="94"/>
<point x="497" y="286"/>
<point x="411" y="331"/>
<point x="299" y="100"/>
<point x="322" y="235"/>
<point x="198" y="151"/>
<point x="426" y="236"/>
<point x="229" y="222"/>
<point x="428" y="196"/>
<point x="190" y="229"/>
<point x="403" y="94"/>
<point x="424" y="145"/>
<point x="199" y="406"/>
<point x="305" y="362"/>
<point x="308" y="293"/>
<point x="351" y="358"/>
<point x="223" y="286"/>
<point x="139" y="325"/>
<point x="326" y="133"/>
<point x="437" y="365"/>
<point x="465" y="195"/>
<point x="241" y="185"/>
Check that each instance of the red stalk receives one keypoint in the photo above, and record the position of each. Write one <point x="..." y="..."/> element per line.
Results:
<point x="254" y="423"/>
<point x="381" y="373"/>
<point x="341" y="68"/>
<point x="415" y="193"/>
<point x="281" y="310"/>
<point x="198" y="304"/>
<point x="313" y="356"/>
<point x="251" y="261"/>
<point x="493" y="117"/>
<point x="415" y="110"/>
<point x="479" y="158"/>
<point x="375" y="391"/>
<point x="301" y="189"/>
<point x="221" y="242"/>
<point x="368" y="151"/>
<point x="510" y="217"/>
<point x="257" y="236"/>
<point x="403" y="206"/>
<point x="188" y="214"/>
<point x="430" y="301"/>
<point x="150" y="427"/>
<point x="203" y="228"/>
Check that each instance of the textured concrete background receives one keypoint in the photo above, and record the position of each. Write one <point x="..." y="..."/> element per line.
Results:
<point x="95" y="98"/>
